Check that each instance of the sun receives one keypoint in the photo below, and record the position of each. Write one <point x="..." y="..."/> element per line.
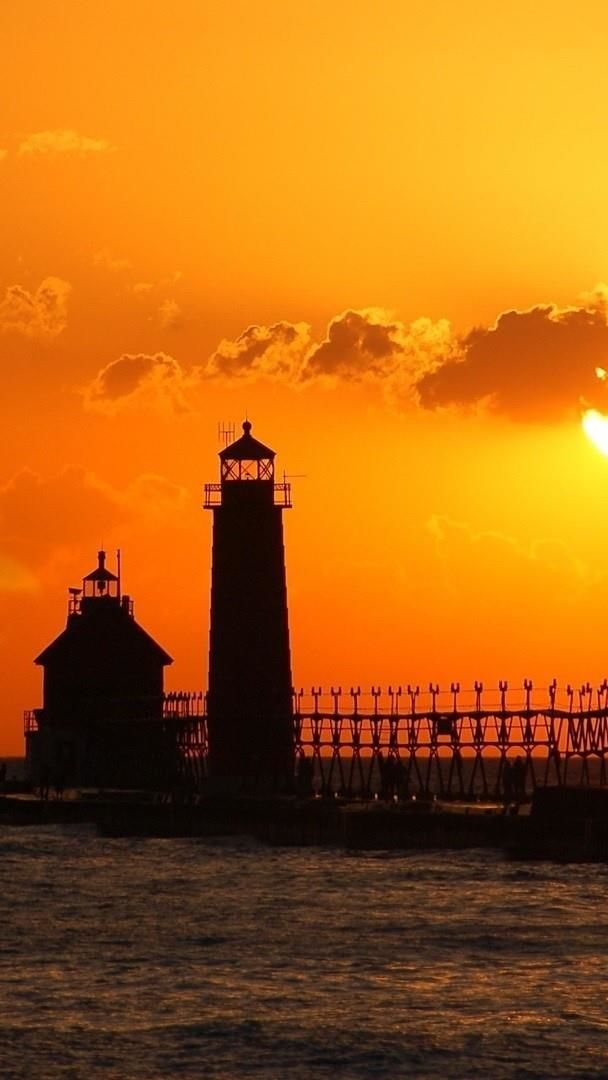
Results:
<point x="595" y="426"/>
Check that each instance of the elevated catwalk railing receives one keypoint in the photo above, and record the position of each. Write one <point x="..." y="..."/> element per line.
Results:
<point x="452" y="743"/>
<point x="185" y="713"/>
<point x="458" y="743"/>
<point x="182" y="714"/>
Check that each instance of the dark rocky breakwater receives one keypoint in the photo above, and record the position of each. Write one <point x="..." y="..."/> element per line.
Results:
<point x="560" y="824"/>
<point x="279" y="821"/>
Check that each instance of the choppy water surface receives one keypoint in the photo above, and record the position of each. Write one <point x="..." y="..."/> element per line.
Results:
<point x="128" y="958"/>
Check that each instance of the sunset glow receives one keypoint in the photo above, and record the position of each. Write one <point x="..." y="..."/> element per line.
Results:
<point x="596" y="428"/>
<point x="356" y="227"/>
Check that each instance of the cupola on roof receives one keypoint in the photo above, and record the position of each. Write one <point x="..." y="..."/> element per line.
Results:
<point x="101" y="629"/>
<point x="100" y="573"/>
<point x="247" y="448"/>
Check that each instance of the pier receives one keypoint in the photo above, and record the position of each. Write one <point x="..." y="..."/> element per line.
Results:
<point x="395" y="743"/>
<point x="453" y="743"/>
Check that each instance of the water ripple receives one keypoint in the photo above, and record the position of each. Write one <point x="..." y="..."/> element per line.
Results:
<point x="224" y="959"/>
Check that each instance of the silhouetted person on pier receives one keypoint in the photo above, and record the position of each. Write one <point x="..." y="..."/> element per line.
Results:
<point x="305" y="775"/>
<point x="507" y="781"/>
<point x="45" y="783"/>
<point x="59" y="783"/>
<point x="392" y="776"/>
<point x="401" y="784"/>
<point x="383" y="770"/>
<point x="518" y="773"/>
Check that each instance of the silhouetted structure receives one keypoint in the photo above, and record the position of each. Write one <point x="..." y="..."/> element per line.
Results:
<point x="452" y="743"/>
<point x="249" y="705"/>
<point x="101" y="723"/>
<point x="106" y="723"/>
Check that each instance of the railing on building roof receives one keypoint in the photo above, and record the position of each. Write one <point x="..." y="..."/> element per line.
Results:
<point x="176" y="705"/>
<point x="213" y="494"/>
<point x="30" y="720"/>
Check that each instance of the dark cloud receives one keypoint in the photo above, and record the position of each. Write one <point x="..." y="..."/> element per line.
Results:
<point x="530" y="365"/>
<point x="159" y="378"/>
<point x="272" y="351"/>
<point x="537" y="364"/>
<point x="357" y="343"/>
<point x="367" y="344"/>
<point x="42" y="313"/>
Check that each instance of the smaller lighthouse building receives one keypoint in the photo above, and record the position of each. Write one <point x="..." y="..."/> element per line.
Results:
<point x="101" y="721"/>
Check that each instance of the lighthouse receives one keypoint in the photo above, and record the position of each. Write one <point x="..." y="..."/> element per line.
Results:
<point x="101" y="723"/>
<point x="249" y="701"/>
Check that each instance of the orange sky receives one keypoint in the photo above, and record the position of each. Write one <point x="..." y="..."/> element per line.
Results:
<point x="302" y="212"/>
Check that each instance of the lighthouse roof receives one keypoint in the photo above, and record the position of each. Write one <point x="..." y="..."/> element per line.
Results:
<point x="246" y="448"/>
<point x="100" y="574"/>
<point x="105" y="631"/>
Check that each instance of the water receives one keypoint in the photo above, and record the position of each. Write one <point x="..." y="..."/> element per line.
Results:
<point x="186" y="958"/>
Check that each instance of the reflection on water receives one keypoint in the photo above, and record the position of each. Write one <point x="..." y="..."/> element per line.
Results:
<point x="133" y="958"/>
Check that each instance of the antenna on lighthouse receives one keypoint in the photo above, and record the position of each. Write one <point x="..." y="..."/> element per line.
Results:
<point x="225" y="433"/>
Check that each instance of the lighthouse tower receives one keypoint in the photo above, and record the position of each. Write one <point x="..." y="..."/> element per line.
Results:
<point x="250" y="708"/>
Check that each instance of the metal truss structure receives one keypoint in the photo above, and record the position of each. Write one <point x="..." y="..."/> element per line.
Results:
<point x="454" y="743"/>
<point x="184" y="714"/>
